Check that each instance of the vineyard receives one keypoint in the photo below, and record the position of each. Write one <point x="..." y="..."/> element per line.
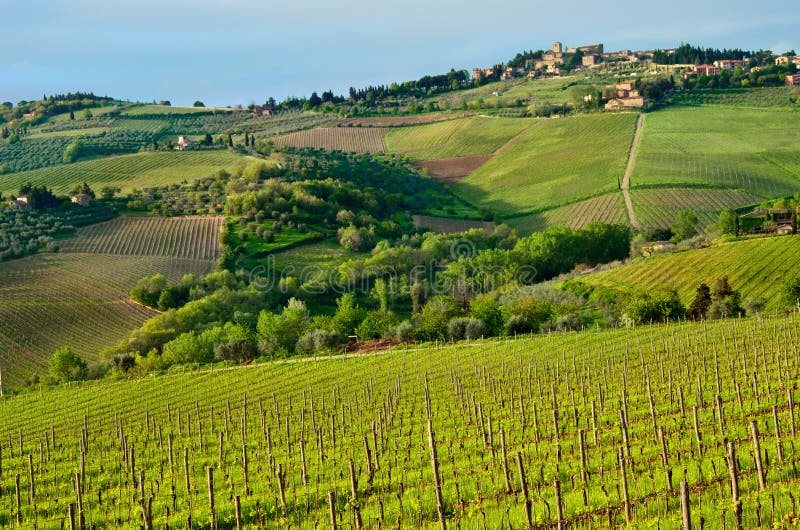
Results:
<point x="361" y="140"/>
<point x="479" y="135"/>
<point x="649" y="426"/>
<point x="128" y="171"/>
<point x="657" y="208"/>
<point x="444" y="225"/>
<point x="740" y="97"/>
<point x="755" y="267"/>
<point x="557" y="162"/>
<point x="753" y="150"/>
<point x="608" y="208"/>
<point x="75" y="300"/>
<point x="195" y="238"/>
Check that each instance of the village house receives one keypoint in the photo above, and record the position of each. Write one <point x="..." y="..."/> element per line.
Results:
<point x="795" y="59"/>
<point x="627" y="98"/>
<point x="729" y="65"/>
<point x="19" y="203"/>
<point x="781" y="60"/>
<point x="707" y="69"/>
<point x="81" y="199"/>
<point x="263" y="110"/>
<point x="793" y="80"/>
<point x="185" y="144"/>
<point x="29" y="115"/>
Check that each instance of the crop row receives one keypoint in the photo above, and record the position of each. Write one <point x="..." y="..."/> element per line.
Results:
<point x="362" y="140"/>
<point x="179" y="237"/>
<point x="657" y="208"/>
<point x="582" y="430"/>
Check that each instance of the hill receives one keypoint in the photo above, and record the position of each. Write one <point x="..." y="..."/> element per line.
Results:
<point x="128" y="171"/>
<point x="755" y="267"/>
<point x="513" y="423"/>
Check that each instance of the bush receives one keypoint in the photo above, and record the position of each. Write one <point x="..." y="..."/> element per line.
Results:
<point x="518" y="324"/>
<point x="65" y="366"/>
<point x="377" y="324"/>
<point x="403" y="332"/>
<point x="317" y="340"/>
<point x="466" y="328"/>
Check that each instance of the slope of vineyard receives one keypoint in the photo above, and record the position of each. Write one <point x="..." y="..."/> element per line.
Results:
<point x="580" y="430"/>
<point x="128" y="171"/>
<point x="755" y="267"/>
<point x="179" y="237"/>
<point x="76" y="300"/>
<point x="609" y="208"/>
<point x="556" y="163"/>
<point x="479" y="135"/>
<point x="657" y="208"/>
<point x="751" y="149"/>
<point x="349" y="139"/>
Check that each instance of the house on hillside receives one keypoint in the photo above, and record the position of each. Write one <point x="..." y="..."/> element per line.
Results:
<point x="19" y="203"/>
<point x="707" y="69"/>
<point x="627" y="98"/>
<point x="262" y="111"/>
<point x="729" y="65"/>
<point x="81" y="199"/>
<point x="185" y="144"/>
<point x="793" y="80"/>
<point x="29" y="115"/>
<point x="781" y="60"/>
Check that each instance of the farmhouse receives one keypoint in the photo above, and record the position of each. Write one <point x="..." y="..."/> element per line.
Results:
<point x="707" y="69"/>
<point x="781" y="60"/>
<point x="627" y="98"/>
<point x="185" y="144"/>
<point x="729" y="65"/>
<point x="19" y="203"/>
<point x="81" y="199"/>
<point x="263" y="110"/>
<point x="29" y="115"/>
<point x="793" y="80"/>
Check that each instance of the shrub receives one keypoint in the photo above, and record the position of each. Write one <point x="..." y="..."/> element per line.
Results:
<point x="65" y="366"/>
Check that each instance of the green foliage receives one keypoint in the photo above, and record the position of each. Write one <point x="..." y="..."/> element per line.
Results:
<point x="348" y="315"/>
<point x="791" y="292"/>
<point x="702" y="301"/>
<point x="485" y="308"/>
<point x="377" y="324"/>
<point x="227" y="342"/>
<point x="431" y="322"/>
<point x="685" y="226"/>
<point x="728" y="221"/>
<point x="660" y="306"/>
<point x="280" y="333"/>
<point x="66" y="366"/>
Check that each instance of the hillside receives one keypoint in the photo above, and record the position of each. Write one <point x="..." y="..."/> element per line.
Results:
<point x="755" y="267"/>
<point x="281" y="439"/>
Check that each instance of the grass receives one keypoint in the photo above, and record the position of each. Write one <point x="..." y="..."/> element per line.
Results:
<point x="739" y="97"/>
<point x="553" y="164"/>
<point x="128" y="171"/>
<point x="492" y="404"/>
<point x="479" y="135"/>
<point x="76" y="300"/>
<point x="657" y="208"/>
<point x="755" y="267"/>
<point x="140" y="110"/>
<point x="609" y="208"/>
<point x="753" y="150"/>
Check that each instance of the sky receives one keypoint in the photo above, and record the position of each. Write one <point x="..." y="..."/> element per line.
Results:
<point x="228" y="52"/>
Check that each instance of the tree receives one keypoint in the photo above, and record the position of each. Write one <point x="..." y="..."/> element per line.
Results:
<point x="198" y="103"/>
<point x="791" y="292"/>
<point x="728" y="222"/>
<point x="108" y="192"/>
<point x="314" y="100"/>
<point x="71" y="116"/>
<point x="66" y="366"/>
<point x="87" y="115"/>
<point x="684" y="226"/>
<point x="484" y="307"/>
<point x="701" y="302"/>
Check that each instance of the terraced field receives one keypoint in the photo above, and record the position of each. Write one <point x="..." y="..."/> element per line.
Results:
<point x="178" y="237"/>
<point x="609" y="208"/>
<point x="606" y="429"/>
<point x="76" y="300"/>
<point x="479" y="135"/>
<point x="754" y="267"/>
<point x="128" y="171"/>
<point x="748" y="149"/>
<point x="559" y="162"/>
<point x="657" y="208"/>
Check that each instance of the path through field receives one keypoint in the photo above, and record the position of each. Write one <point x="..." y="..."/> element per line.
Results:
<point x="626" y="180"/>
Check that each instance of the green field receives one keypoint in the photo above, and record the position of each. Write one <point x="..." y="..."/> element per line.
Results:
<point x="71" y="133"/>
<point x="479" y="135"/>
<point x="753" y="150"/>
<point x="613" y="420"/>
<point x="140" y="110"/>
<point x="556" y="163"/>
<point x="739" y="97"/>
<point x="755" y="267"/>
<point x="76" y="300"/>
<point x="128" y="171"/>
<point x="609" y="208"/>
<point x="657" y="208"/>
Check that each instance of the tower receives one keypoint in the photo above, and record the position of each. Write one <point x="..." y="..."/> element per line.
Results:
<point x="557" y="47"/>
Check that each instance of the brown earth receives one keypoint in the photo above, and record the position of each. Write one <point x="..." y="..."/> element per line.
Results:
<point x="453" y="170"/>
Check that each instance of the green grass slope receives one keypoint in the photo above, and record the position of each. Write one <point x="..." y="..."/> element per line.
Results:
<point x="553" y="164"/>
<point x="755" y="267"/>
<point x="721" y="146"/>
<point x="128" y="171"/>
<point x="479" y="135"/>
<point x="496" y="407"/>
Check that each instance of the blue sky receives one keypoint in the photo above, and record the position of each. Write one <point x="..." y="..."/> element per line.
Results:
<point x="226" y="52"/>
